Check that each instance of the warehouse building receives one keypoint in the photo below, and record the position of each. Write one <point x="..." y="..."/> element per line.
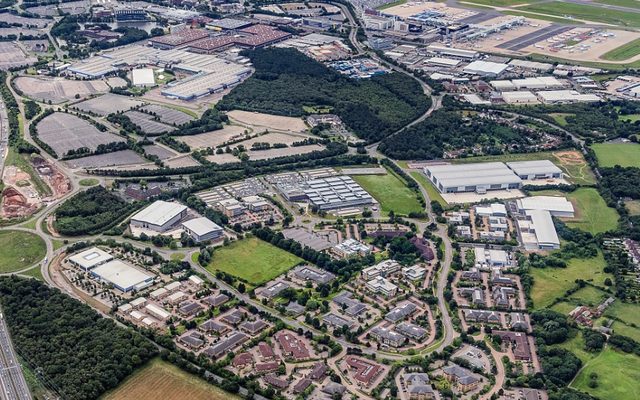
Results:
<point x="90" y="258"/>
<point x="159" y="216"/>
<point x="521" y="97"/>
<point x="202" y="229"/>
<point x="336" y="192"/>
<point x="485" y="68"/>
<point x="479" y="177"/>
<point x="122" y="276"/>
<point x="452" y="52"/>
<point x="557" y="206"/>
<point x="537" y="231"/>
<point x="143" y="77"/>
<point x="566" y="96"/>
<point x="536" y="169"/>
<point x="443" y="62"/>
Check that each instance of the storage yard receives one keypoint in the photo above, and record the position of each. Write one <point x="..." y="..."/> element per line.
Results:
<point x="59" y="90"/>
<point x="65" y="132"/>
<point x="13" y="56"/>
<point x="107" y="104"/>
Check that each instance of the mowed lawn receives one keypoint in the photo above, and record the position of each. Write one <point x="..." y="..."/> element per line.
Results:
<point x="622" y="154"/>
<point x="618" y="376"/>
<point x="161" y="380"/>
<point x="623" y="52"/>
<point x="551" y="283"/>
<point x="253" y="260"/>
<point x="591" y="212"/>
<point x="431" y="190"/>
<point x="588" y="13"/>
<point x="391" y="192"/>
<point x="20" y="250"/>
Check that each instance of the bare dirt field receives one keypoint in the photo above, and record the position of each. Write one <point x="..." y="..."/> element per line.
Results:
<point x="13" y="56"/>
<point x="20" y="198"/>
<point x="223" y="158"/>
<point x="182" y="161"/>
<point x="287" y="151"/>
<point x="54" y="178"/>
<point x="58" y="90"/>
<point x="214" y="138"/>
<point x="268" y="121"/>
<point x="124" y="157"/>
<point x="107" y="104"/>
<point x="64" y="132"/>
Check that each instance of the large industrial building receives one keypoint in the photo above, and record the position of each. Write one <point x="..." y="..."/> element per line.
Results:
<point x="485" y="68"/>
<point x="159" y="216"/>
<point x="90" y="258"/>
<point x="336" y="192"/>
<point x="536" y="227"/>
<point x="536" y="169"/>
<point x="482" y="177"/>
<point x="123" y="276"/>
<point x="479" y="178"/>
<point x="202" y="229"/>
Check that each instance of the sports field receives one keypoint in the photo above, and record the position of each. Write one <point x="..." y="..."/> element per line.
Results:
<point x="622" y="154"/>
<point x="592" y="213"/>
<point x="161" y="380"/>
<point x="253" y="260"/>
<point x="623" y="52"/>
<point x="618" y="376"/>
<point x="584" y="12"/>
<point x="20" y="250"/>
<point x="391" y="193"/>
<point x="551" y="283"/>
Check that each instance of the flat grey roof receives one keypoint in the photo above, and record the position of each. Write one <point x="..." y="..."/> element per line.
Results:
<point x="534" y="167"/>
<point x="456" y="175"/>
<point x="159" y="213"/>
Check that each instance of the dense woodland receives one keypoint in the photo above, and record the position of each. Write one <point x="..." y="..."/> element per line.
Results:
<point x="622" y="182"/>
<point x="590" y="120"/>
<point x="432" y="137"/>
<point x="286" y="80"/>
<point x="82" y="354"/>
<point x="92" y="211"/>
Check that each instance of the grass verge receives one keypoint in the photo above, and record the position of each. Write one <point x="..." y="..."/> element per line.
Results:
<point x="20" y="250"/>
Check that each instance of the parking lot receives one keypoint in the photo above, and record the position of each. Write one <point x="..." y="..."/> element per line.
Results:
<point x="107" y="104"/>
<point x="147" y="124"/>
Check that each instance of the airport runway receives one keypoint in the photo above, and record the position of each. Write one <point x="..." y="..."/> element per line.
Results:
<point x="12" y="383"/>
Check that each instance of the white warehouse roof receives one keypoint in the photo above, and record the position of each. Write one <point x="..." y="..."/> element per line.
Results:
<point x="502" y="85"/>
<point x="143" y="77"/>
<point x="485" y="68"/>
<point x="523" y="97"/>
<point x="449" y="62"/>
<point x="566" y="96"/>
<point x="473" y="174"/>
<point x="159" y="213"/>
<point x="542" y="222"/>
<point x="553" y="204"/>
<point x="201" y="226"/>
<point x="121" y="275"/>
<point x="91" y="257"/>
<point x="534" y="167"/>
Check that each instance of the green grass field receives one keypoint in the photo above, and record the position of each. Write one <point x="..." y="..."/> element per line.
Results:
<point x="612" y="154"/>
<point x="161" y="380"/>
<point x="588" y="13"/>
<point x="572" y="163"/>
<point x="34" y="273"/>
<point x="576" y="346"/>
<point x="551" y="283"/>
<point x="391" y="192"/>
<point x="629" y="313"/>
<point x="588" y="295"/>
<point x="561" y="118"/>
<point x="253" y="260"/>
<point x="618" y="376"/>
<point x="500" y="3"/>
<point x="630" y="117"/>
<point x="432" y="192"/>
<point x="20" y="250"/>
<point x="89" y="182"/>
<point x="592" y="214"/>
<point x="624" y="52"/>
<point x="621" y="3"/>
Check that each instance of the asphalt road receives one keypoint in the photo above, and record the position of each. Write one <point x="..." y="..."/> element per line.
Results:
<point x="13" y="386"/>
